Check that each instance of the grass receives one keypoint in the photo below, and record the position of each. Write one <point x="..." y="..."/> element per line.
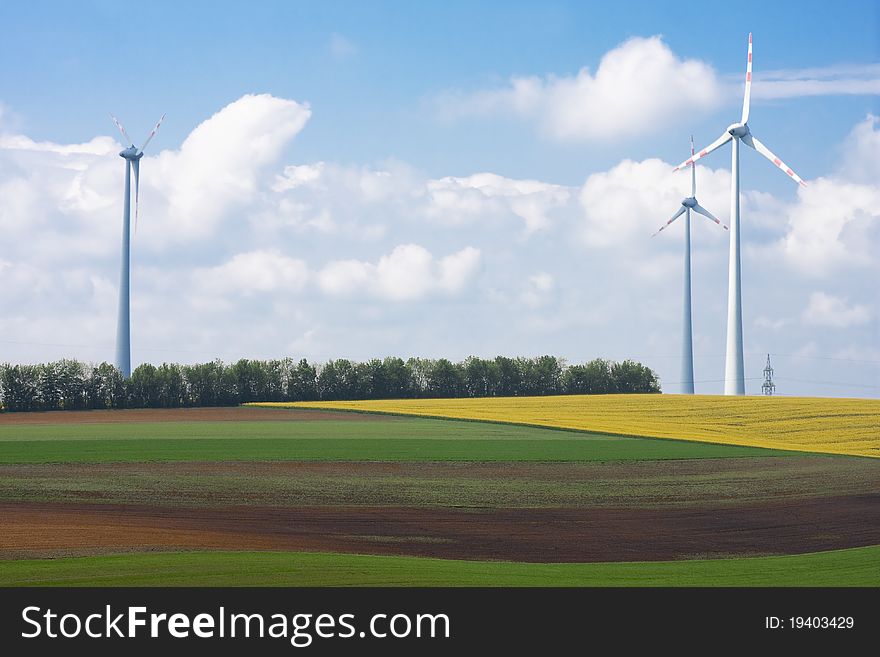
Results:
<point x="399" y="440"/>
<point x="833" y="426"/>
<point x="853" y="567"/>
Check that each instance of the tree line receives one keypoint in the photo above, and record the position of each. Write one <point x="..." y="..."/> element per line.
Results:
<point x="74" y="385"/>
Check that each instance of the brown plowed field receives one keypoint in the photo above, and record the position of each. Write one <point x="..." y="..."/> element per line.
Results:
<point x="219" y="414"/>
<point x="533" y="535"/>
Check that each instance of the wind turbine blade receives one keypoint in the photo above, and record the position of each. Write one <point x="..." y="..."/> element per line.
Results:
<point x="766" y="152"/>
<point x="699" y="209"/>
<point x="693" y="171"/>
<point x="122" y="130"/>
<point x="723" y="139"/>
<point x="152" y="133"/>
<point x="136" y="165"/>
<point x="748" y="94"/>
<point x="674" y="217"/>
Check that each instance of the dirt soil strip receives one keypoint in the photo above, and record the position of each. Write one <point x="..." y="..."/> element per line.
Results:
<point x="531" y="535"/>
<point x="220" y="414"/>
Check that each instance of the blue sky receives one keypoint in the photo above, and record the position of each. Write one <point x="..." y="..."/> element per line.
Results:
<point x="421" y="97"/>
<point x="64" y="64"/>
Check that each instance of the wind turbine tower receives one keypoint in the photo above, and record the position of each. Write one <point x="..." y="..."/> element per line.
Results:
<point x="132" y="156"/>
<point x="734" y="369"/>
<point x="687" y="342"/>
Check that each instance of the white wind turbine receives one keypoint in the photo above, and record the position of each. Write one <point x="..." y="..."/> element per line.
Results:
<point x="132" y="156"/>
<point x="734" y="370"/>
<point x="687" y="343"/>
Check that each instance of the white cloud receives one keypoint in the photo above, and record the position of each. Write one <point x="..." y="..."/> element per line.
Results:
<point x="825" y="81"/>
<point x="220" y="164"/>
<point x="356" y="195"/>
<point x="642" y="86"/>
<point x="323" y="259"/>
<point x="861" y="162"/>
<point x="457" y="200"/>
<point x="827" y="310"/>
<point x="832" y="224"/>
<point x="254" y="272"/>
<point x="408" y="273"/>
<point x="638" y="88"/>
<point x="834" y="221"/>
<point x="456" y="269"/>
<point x="97" y="146"/>
<point x="629" y="202"/>
<point x="344" y="277"/>
<point x="298" y="176"/>
<point x="73" y="193"/>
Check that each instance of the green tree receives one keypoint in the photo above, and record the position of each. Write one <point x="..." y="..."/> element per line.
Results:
<point x="105" y="387"/>
<point x="445" y="379"/>
<point x="632" y="377"/>
<point x="593" y="378"/>
<point x="303" y="382"/>
<point x="481" y="377"/>
<point x="509" y="377"/>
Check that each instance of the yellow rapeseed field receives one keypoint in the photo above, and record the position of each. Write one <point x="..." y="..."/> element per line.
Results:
<point x="808" y="424"/>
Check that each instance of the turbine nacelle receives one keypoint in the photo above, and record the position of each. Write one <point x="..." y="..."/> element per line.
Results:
<point x="689" y="202"/>
<point x="738" y="130"/>
<point x="131" y="153"/>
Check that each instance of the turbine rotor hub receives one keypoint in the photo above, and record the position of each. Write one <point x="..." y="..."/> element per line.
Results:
<point x="738" y="130"/>
<point x="689" y="202"/>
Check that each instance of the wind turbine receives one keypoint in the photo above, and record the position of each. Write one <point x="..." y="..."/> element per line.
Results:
<point x="687" y="342"/>
<point x="734" y="370"/>
<point x="132" y="156"/>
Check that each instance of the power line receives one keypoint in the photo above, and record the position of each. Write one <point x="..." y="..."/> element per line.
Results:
<point x="642" y="356"/>
<point x="829" y="383"/>
<point x="763" y="353"/>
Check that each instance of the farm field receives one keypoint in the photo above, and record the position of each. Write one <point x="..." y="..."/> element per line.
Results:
<point x="808" y="424"/>
<point x="262" y="495"/>
<point x="855" y="567"/>
<point x="347" y="440"/>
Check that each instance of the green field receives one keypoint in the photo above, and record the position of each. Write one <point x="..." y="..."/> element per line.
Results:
<point x="854" y="567"/>
<point x="396" y="440"/>
<point x="390" y="501"/>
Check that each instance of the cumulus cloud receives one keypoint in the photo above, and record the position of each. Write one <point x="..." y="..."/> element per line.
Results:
<point x="456" y="200"/>
<point x="639" y="85"/>
<point x="827" y="310"/>
<point x="832" y="224"/>
<point x="74" y="191"/>
<point x="303" y="175"/>
<point x="860" y="162"/>
<point x="220" y="164"/>
<point x="370" y="196"/>
<point x="255" y="272"/>
<point x="834" y="221"/>
<point x="276" y="262"/>
<point x="410" y="272"/>
<point x="629" y="202"/>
